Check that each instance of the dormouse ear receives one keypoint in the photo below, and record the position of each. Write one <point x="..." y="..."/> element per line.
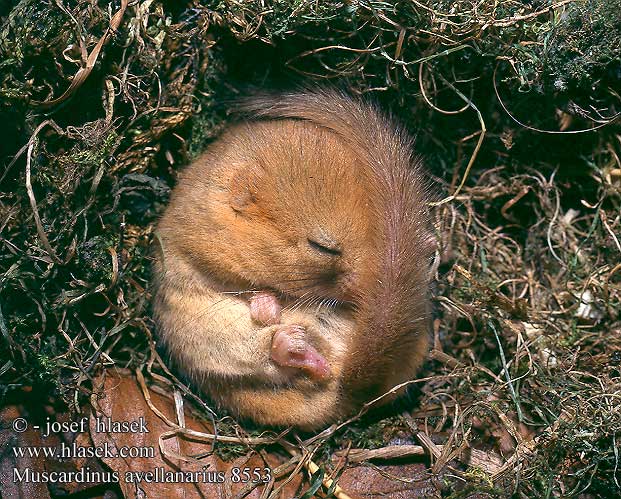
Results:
<point x="244" y="188"/>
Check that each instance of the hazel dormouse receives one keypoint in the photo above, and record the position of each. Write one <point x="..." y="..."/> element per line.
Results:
<point x="292" y="263"/>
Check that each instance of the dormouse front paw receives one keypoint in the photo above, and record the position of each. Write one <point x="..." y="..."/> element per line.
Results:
<point x="290" y="349"/>
<point x="265" y="308"/>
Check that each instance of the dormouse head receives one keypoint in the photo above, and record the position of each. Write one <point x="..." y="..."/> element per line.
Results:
<point x="289" y="210"/>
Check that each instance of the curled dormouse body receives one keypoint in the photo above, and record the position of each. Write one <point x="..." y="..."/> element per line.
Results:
<point x="293" y="270"/>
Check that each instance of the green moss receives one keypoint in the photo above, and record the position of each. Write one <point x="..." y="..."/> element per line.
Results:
<point x="284" y="17"/>
<point x="30" y="30"/>
<point x="95" y="260"/>
<point x="48" y="369"/>
<point x="584" y="46"/>
<point x="210" y="114"/>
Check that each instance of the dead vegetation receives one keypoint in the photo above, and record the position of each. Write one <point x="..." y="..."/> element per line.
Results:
<point x="515" y="105"/>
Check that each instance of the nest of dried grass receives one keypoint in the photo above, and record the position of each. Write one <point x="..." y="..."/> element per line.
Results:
<point x="515" y="105"/>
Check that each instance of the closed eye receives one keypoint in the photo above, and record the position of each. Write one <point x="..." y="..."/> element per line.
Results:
<point x="327" y="250"/>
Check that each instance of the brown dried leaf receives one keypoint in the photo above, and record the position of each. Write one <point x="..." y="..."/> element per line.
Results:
<point x="10" y="439"/>
<point x="388" y="482"/>
<point x="123" y="400"/>
<point x="36" y="414"/>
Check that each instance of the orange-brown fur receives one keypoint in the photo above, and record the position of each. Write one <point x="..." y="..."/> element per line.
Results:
<point x="315" y="166"/>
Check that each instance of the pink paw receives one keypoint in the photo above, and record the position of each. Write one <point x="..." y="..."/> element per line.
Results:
<point x="265" y="309"/>
<point x="290" y="349"/>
